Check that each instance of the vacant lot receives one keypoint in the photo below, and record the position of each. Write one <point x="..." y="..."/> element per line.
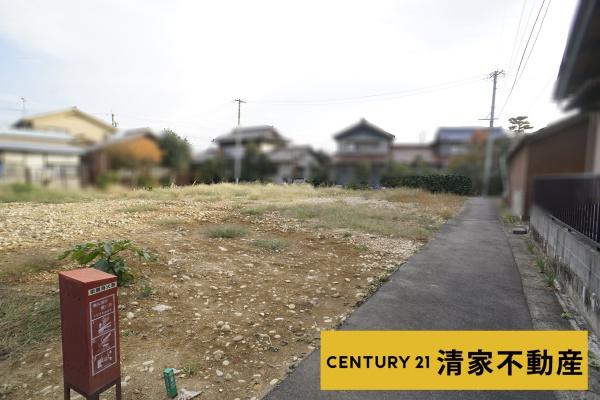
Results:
<point x="252" y="274"/>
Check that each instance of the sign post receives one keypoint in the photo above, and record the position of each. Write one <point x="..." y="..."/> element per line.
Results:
<point x="90" y="332"/>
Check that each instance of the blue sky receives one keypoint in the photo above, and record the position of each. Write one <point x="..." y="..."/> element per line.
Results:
<point x="309" y="68"/>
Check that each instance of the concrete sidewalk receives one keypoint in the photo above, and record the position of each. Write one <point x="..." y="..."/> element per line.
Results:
<point x="463" y="279"/>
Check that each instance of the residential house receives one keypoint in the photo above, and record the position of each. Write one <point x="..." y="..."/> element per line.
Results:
<point x="570" y="146"/>
<point x="412" y="153"/>
<point x="44" y="158"/>
<point x="455" y="141"/>
<point x="564" y="147"/>
<point x="84" y="128"/>
<point x="131" y="153"/>
<point x="364" y="151"/>
<point x="265" y="137"/>
<point x="555" y="173"/>
<point x="294" y="163"/>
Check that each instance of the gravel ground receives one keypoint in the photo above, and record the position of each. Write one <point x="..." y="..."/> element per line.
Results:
<point x="239" y="316"/>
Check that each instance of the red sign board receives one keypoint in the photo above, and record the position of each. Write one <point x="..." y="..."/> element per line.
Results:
<point x="90" y="329"/>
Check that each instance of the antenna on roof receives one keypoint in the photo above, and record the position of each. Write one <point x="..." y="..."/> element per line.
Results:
<point x="113" y="122"/>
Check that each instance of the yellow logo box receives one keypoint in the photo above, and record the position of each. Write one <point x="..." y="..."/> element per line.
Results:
<point x="454" y="360"/>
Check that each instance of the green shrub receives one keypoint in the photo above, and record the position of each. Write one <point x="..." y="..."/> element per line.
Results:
<point x="106" y="257"/>
<point x="106" y="179"/>
<point x="434" y="183"/>
<point x="270" y="244"/>
<point x="226" y="231"/>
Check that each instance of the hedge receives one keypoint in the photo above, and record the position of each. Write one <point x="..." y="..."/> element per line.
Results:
<point x="434" y="183"/>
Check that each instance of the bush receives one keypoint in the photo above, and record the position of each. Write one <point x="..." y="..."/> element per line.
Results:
<point x="226" y="232"/>
<point x="434" y="183"/>
<point x="106" y="179"/>
<point x="106" y="256"/>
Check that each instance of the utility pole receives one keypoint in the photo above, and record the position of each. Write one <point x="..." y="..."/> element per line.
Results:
<point x="113" y="122"/>
<point x="489" y="145"/>
<point x="23" y="108"/>
<point x="237" y="166"/>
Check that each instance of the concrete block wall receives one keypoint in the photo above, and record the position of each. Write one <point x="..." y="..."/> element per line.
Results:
<point x="578" y="263"/>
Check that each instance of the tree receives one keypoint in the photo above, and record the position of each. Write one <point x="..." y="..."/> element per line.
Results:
<point x="471" y="163"/>
<point x="520" y="125"/>
<point x="177" y="153"/>
<point x="256" y="166"/>
<point x="213" y="170"/>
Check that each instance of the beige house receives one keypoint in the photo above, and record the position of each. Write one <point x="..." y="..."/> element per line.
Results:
<point x="84" y="128"/>
<point x="43" y="158"/>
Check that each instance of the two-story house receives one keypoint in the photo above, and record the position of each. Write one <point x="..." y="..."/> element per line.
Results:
<point x="363" y="153"/>
<point x="265" y="137"/>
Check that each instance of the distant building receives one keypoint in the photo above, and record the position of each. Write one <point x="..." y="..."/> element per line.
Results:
<point x="129" y="152"/>
<point x="265" y="137"/>
<point x="84" y="128"/>
<point x="455" y="141"/>
<point x="293" y="163"/>
<point x="411" y="153"/>
<point x="363" y="152"/>
<point x="44" y="158"/>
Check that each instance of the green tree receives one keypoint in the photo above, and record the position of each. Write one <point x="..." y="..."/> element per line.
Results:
<point x="520" y="125"/>
<point x="256" y="166"/>
<point x="214" y="170"/>
<point x="177" y="153"/>
<point x="471" y="163"/>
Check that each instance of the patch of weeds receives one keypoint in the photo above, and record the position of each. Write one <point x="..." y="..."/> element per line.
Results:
<point x="31" y="264"/>
<point x="361" y="248"/>
<point x="270" y="244"/>
<point x="508" y="218"/>
<point x="26" y="320"/>
<point x="530" y="245"/>
<point x="540" y="262"/>
<point x="226" y="232"/>
<point x="169" y="222"/>
<point x="258" y="210"/>
<point x="191" y="369"/>
<point x="129" y="332"/>
<point x="145" y="291"/>
<point x="137" y="208"/>
<point x="566" y="315"/>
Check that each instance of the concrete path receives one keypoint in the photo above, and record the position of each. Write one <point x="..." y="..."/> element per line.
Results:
<point x="463" y="279"/>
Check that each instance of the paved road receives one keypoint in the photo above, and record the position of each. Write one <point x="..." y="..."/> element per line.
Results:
<point x="465" y="278"/>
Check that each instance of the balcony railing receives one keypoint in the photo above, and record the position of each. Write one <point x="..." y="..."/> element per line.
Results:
<point x="572" y="199"/>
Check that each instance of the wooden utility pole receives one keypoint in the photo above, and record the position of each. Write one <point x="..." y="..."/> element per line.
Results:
<point x="489" y="144"/>
<point x="237" y="165"/>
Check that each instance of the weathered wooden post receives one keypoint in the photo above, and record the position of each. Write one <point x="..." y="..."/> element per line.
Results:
<point x="90" y="332"/>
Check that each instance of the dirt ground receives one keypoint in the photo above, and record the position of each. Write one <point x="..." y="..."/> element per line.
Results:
<point x="244" y="310"/>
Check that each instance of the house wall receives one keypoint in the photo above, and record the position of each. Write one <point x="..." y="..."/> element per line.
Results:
<point x="42" y="169"/>
<point x="81" y="128"/>
<point x="577" y="265"/>
<point x="518" y="182"/>
<point x="562" y="152"/>
<point x="363" y="142"/>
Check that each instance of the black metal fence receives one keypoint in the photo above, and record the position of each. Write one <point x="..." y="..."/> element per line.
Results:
<point x="574" y="200"/>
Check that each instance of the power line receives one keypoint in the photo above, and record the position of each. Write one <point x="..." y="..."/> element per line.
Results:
<point x="522" y="58"/>
<point x="514" y="51"/>
<point x="537" y="35"/>
<point x="374" y="97"/>
<point x="237" y="166"/>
